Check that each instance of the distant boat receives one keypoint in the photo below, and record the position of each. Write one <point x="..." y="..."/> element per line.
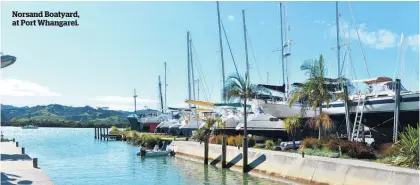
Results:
<point x="30" y="127"/>
<point x="7" y="60"/>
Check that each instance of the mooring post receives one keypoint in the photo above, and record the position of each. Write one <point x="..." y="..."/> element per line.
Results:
<point x="35" y="162"/>
<point x="17" y="144"/>
<point x="23" y="150"/>
<point x="224" y="142"/>
<point x="245" y="155"/>
<point x="206" y="150"/>
<point x="94" y="128"/>
<point x="397" y="108"/>
<point x="107" y="134"/>
<point x="100" y="133"/>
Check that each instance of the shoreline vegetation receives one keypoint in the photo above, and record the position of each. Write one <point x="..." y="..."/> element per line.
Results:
<point x="58" y="123"/>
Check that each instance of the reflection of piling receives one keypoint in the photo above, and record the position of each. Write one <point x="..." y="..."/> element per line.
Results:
<point x="206" y="149"/>
<point x="23" y="150"/>
<point x="224" y="142"/>
<point x="397" y="108"/>
<point x="35" y="162"/>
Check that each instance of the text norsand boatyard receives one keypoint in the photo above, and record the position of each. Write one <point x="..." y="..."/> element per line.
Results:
<point x="45" y="22"/>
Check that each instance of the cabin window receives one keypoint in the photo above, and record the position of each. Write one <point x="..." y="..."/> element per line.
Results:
<point x="274" y="119"/>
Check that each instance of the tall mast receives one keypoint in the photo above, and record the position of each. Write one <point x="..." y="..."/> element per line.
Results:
<point x="192" y="69"/>
<point x="166" y="86"/>
<point x="160" y="94"/>
<point x="338" y="39"/>
<point x="282" y="44"/>
<point x="246" y="46"/>
<point x="198" y="89"/>
<point x="189" y="71"/>
<point x="135" y="101"/>
<point x="221" y="53"/>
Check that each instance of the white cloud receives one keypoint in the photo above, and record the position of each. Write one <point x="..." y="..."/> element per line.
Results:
<point x="378" y="39"/>
<point x="413" y="42"/>
<point x="123" y="103"/>
<point x="231" y="17"/>
<point x="15" y="87"/>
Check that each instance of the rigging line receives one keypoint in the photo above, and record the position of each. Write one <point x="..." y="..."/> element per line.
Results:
<point x="200" y="72"/>
<point x="230" y="49"/>
<point x="349" y="51"/>
<point x="360" y="43"/>
<point x="253" y="53"/>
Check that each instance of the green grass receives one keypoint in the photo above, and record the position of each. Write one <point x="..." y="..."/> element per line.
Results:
<point x="320" y="152"/>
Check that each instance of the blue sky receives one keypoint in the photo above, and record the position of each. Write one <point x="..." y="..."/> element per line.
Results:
<point x="123" y="45"/>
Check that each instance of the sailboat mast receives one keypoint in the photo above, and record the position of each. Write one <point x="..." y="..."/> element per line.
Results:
<point x="192" y="69"/>
<point x="189" y="72"/>
<point x="166" y="86"/>
<point x="160" y="95"/>
<point x="135" y="101"/>
<point x="246" y="46"/>
<point x="338" y="39"/>
<point x="282" y="44"/>
<point x="221" y="53"/>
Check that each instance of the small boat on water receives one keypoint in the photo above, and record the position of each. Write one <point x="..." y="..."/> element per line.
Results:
<point x="155" y="153"/>
<point x="30" y="127"/>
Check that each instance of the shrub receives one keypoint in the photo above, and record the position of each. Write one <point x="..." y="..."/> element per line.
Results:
<point x="269" y="144"/>
<point x="115" y="130"/>
<point x="408" y="148"/>
<point x="148" y="140"/>
<point x="308" y="143"/>
<point x="321" y="152"/>
<point x="198" y="135"/>
<point x="219" y="139"/>
<point x="387" y="149"/>
<point x="251" y="141"/>
<point x="357" y="150"/>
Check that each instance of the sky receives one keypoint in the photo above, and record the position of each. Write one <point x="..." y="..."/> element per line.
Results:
<point x="119" y="46"/>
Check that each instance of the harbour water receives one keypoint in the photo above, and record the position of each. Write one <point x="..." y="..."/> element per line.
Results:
<point x="73" y="156"/>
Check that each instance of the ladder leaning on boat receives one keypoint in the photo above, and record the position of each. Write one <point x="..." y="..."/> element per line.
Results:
<point x="357" y="126"/>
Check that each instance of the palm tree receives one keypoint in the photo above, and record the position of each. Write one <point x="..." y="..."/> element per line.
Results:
<point x="291" y="124"/>
<point x="313" y="93"/>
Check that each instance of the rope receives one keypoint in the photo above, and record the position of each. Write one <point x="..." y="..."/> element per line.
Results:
<point x="230" y="49"/>
<point x="200" y="73"/>
<point x="360" y="43"/>
<point x="253" y="54"/>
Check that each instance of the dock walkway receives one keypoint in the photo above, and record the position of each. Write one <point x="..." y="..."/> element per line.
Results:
<point x="18" y="168"/>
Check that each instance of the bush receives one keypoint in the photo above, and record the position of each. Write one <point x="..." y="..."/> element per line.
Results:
<point x="408" y="148"/>
<point x="321" y="152"/>
<point x="269" y="144"/>
<point x="198" y="135"/>
<point x="308" y="143"/>
<point x="356" y="150"/>
<point x="251" y="141"/>
<point x="115" y="130"/>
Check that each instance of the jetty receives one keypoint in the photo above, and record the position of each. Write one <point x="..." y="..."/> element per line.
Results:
<point x="19" y="168"/>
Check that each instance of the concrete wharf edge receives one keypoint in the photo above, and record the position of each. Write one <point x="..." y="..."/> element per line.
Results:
<point x="17" y="168"/>
<point x="310" y="169"/>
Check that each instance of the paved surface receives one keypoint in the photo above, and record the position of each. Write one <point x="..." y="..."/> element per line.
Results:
<point x="17" y="168"/>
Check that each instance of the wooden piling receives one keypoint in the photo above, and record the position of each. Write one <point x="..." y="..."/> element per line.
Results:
<point x="245" y="155"/>
<point x="100" y="133"/>
<point x="224" y="143"/>
<point x="206" y="150"/>
<point x="107" y="134"/>
<point x="23" y="150"/>
<point x="35" y="162"/>
<point x="94" y="128"/>
<point x="397" y="109"/>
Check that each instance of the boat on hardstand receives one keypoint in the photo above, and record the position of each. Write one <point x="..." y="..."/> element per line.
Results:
<point x="375" y="108"/>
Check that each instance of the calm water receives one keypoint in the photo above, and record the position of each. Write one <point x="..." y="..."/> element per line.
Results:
<point x="72" y="156"/>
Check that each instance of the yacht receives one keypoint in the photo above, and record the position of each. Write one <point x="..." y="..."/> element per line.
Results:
<point x="377" y="104"/>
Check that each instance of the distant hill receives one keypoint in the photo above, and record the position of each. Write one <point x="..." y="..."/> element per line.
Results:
<point x="56" y="112"/>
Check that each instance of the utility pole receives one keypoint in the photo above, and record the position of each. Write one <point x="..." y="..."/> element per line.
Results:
<point x="221" y="54"/>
